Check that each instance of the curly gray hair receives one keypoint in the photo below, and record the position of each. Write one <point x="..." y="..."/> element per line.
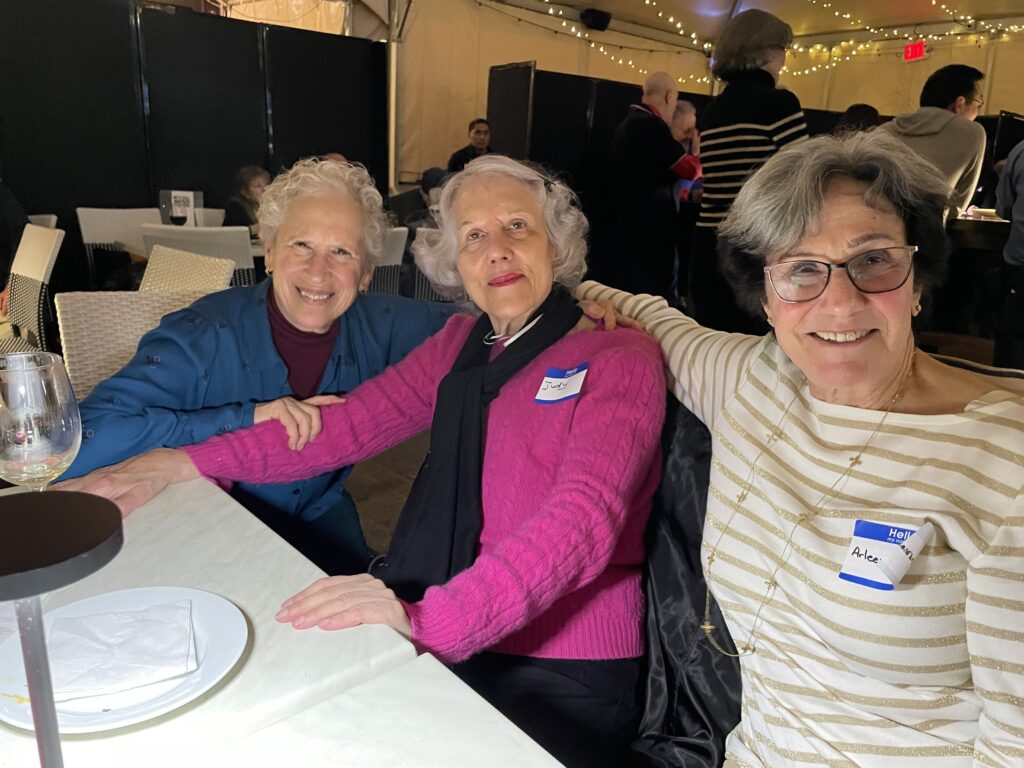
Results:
<point x="783" y="200"/>
<point x="437" y="251"/>
<point x="313" y="177"/>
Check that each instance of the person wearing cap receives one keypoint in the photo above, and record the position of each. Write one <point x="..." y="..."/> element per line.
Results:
<point x="748" y="56"/>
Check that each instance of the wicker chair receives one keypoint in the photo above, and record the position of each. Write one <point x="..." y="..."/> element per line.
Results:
<point x="220" y="242"/>
<point x="28" y="298"/>
<point x="387" y="272"/>
<point x="173" y="271"/>
<point x="100" y="330"/>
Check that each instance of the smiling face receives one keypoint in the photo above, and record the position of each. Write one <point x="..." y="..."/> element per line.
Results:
<point x="504" y="255"/>
<point x="317" y="260"/>
<point x="853" y="347"/>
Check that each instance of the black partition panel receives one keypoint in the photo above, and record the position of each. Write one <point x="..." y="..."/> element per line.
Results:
<point x="561" y="143"/>
<point x="327" y="94"/>
<point x="71" y="129"/>
<point x="206" y="100"/>
<point x="510" y="108"/>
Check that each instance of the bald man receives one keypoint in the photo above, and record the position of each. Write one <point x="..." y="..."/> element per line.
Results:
<point x="635" y="251"/>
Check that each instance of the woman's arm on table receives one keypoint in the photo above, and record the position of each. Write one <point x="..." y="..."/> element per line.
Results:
<point x="704" y="366"/>
<point x="565" y="546"/>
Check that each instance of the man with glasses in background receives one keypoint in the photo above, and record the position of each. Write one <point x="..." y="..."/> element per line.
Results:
<point x="943" y="130"/>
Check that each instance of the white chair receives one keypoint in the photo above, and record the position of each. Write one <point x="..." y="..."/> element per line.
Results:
<point x="28" y="297"/>
<point x="388" y="270"/>
<point x="48" y="220"/>
<point x="220" y="242"/>
<point x="210" y="217"/>
<point x="172" y="271"/>
<point x="422" y="289"/>
<point x="100" y="330"/>
<point x="113" y="229"/>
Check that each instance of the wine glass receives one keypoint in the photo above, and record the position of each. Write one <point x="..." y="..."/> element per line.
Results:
<point x="40" y="427"/>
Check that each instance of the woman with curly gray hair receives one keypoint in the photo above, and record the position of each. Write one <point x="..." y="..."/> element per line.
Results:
<point x="517" y="556"/>
<point x="864" y="535"/>
<point x="273" y="351"/>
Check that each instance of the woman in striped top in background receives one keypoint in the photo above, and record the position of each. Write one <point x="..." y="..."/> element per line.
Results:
<point x="744" y="126"/>
<point x="865" y="522"/>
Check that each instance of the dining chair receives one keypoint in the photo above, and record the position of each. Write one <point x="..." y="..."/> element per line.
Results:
<point x="100" y="330"/>
<point x="28" y="298"/>
<point x="171" y="271"/>
<point x="389" y="268"/>
<point x="48" y="220"/>
<point x="220" y="242"/>
<point x="113" y="229"/>
<point x="210" y="217"/>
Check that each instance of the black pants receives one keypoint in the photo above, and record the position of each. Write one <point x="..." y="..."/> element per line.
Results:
<point x="585" y="713"/>
<point x="1009" y="325"/>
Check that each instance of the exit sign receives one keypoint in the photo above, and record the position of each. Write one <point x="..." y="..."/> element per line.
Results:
<point x="915" y="51"/>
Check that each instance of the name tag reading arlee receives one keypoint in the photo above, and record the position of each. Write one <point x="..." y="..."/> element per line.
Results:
<point x="561" y="384"/>
<point x="880" y="554"/>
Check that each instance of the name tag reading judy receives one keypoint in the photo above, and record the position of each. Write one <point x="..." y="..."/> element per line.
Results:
<point x="559" y="384"/>
<point x="879" y="554"/>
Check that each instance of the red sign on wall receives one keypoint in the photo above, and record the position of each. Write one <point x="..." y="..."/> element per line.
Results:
<point x="914" y="51"/>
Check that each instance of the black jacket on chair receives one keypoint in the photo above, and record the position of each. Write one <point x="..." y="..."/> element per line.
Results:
<point x="693" y="691"/>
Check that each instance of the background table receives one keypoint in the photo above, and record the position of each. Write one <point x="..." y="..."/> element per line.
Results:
<point x="194" y="535"/>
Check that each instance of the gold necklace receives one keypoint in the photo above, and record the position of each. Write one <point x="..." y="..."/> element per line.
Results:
<point x="771" y="583"/>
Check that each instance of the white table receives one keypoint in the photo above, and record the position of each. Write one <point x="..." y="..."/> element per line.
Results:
<point x="353" y="699"/>
<point x="418" y="715"/>
<point x="194" y="535"/>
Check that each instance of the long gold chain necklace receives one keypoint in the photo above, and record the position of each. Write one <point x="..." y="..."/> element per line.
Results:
<point x="771" y="583"/>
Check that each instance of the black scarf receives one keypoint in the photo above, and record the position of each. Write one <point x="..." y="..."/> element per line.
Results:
<point x="439" y="529"/>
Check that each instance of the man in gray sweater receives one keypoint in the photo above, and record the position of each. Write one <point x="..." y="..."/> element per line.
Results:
<point x="943" y="130"/>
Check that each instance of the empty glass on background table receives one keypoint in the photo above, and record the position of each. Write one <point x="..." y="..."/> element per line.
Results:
<point x="40" y="427"/>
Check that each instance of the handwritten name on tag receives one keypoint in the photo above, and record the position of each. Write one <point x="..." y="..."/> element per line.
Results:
<point x="880" y="554"/>
<point x="559" y="384"/>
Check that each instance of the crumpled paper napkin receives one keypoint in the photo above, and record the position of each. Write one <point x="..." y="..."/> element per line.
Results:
<point x="114" y="652"/>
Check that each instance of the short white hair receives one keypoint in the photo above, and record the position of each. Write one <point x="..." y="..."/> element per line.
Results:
<point x="314" y="177"/>
<point x="437" y="251"/>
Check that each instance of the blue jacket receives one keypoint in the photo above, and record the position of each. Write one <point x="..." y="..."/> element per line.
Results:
<point x="204" y="369"/>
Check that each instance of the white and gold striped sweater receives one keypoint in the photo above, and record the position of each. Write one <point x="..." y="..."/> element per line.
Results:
<point x="929" y="674"/>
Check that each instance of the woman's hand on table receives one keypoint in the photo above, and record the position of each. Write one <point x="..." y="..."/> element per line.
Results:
<point x="603" y="313"/>
<point x="301" y="418"/>
<point x="339" y="602"/>
<point x="135" y="481"/>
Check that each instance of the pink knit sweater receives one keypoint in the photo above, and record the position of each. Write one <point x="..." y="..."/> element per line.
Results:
<point x="567" y="490"/>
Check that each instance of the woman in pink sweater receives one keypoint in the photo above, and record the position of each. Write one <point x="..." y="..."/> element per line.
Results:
<point x="517" y="557"/>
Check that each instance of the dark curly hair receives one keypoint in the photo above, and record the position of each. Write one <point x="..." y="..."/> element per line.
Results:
<point x="781" y="201"/>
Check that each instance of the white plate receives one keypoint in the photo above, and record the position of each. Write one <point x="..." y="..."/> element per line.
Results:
<point x="221" y="634"/>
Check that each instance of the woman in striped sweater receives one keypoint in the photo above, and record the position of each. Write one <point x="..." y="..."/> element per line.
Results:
<point x="865" y="522"/>
<point x="744" y="126"/>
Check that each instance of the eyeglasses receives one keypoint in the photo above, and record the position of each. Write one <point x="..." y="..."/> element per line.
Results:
<point x="979" y="100"/>
<point x="877" y="271"/>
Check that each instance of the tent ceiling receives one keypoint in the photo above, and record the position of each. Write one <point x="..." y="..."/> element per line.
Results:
<point x="707" y="17"/>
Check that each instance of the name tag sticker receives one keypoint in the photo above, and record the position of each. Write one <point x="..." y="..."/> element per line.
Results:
<point x="559" y="384"/>
<point x="880" y="554"/>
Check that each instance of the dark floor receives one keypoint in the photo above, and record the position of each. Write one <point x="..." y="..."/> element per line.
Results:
<point x="380" y="485"/>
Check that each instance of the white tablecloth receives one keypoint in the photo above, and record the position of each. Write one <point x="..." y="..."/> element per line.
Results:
<point x="418" y="715"/>
<point x="194" y="535"/>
